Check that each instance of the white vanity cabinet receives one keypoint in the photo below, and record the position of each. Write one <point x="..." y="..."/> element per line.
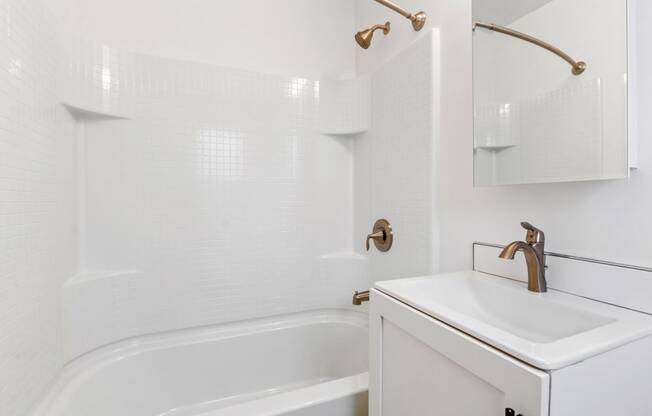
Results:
<point x="422" y="366"/>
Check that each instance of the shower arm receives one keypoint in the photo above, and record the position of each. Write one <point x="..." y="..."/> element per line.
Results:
<point x="578" y="66"/>
<point x="418" y="19"/>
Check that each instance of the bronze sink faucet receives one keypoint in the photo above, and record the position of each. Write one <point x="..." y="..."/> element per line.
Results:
<point x="533" y="249"/>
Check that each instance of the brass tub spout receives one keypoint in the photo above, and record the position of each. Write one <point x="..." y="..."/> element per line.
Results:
<point x="360" y="297"/>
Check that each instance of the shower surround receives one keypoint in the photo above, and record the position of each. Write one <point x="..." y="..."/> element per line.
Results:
<point x="145" y="194"/>
<point x="169" y="244"/>
<point x="208" y="196"/>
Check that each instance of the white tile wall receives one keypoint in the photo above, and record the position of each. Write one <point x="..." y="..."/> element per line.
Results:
<point x="553" y="149"/>
<point x="98" y="78"/>
<point x="395" y="162"/>
<point x="37" y="205"/>
<point x="345" y="106"/>
<point x="219" y="193"/>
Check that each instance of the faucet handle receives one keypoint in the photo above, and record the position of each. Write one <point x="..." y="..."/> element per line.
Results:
<point x="377" y="236"/>
<point x="382" y="236"/>
<point x="534" y="235"/>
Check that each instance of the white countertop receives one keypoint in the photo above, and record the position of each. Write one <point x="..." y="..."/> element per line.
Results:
<point x="549" y="331"/>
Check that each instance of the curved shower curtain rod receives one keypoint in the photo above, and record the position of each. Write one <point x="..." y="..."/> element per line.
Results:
<point x="578" y="66"/>
<point x="418" y="19"/>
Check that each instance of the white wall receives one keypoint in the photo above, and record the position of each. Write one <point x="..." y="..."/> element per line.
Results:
<point x="292" y="37"/>
<point x="608" y="220"/>
<point x="38" y="243"/>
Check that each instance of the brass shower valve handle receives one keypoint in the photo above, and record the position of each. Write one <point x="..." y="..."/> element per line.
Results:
<point x="382" y="236"/>
<point x="377" y="236"/>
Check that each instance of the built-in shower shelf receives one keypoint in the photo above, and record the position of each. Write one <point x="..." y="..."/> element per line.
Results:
<point x="495" y="147"/>
<point x="80" y="113"/>
<point x="343" y="133"/>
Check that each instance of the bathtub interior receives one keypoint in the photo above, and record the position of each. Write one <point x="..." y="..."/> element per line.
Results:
<point x="208" y="371"/>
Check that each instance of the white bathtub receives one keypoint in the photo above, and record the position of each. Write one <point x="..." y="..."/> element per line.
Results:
<point x="309" y="364"/>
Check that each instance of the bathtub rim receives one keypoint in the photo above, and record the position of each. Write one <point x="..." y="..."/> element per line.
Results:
<point x="88" y="364"/>
<point x="300" y="399"/>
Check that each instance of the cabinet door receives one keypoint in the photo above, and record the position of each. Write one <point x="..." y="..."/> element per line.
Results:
<point x="421" y="366"/>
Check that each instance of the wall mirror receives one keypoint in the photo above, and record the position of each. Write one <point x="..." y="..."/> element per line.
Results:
<point x="550" y="91"/>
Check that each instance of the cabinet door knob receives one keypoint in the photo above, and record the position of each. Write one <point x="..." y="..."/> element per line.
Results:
<point x="510" y="412"/>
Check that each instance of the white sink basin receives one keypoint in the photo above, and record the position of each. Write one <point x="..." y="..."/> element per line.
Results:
<point x="549" y="331"/>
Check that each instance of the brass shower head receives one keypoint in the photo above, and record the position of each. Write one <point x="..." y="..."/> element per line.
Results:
<point x="364" y="38"/>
